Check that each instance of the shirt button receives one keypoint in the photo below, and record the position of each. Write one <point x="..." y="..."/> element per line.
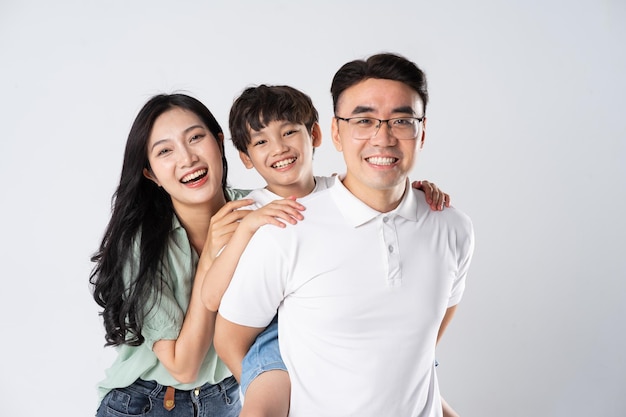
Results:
<point x="390" y="249"/>
<point x="385" y="219"/>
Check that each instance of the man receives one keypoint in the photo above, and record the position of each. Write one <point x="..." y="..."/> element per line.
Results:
<point x="368" y="281"/>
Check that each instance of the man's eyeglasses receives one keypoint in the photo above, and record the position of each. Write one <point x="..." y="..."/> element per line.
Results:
<point x="365" y="128"/>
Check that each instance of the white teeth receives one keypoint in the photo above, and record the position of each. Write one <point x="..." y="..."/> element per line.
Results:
<point x="377" y="160"/>
<point x="194" y="175"/>
<point x="284" y="163"/>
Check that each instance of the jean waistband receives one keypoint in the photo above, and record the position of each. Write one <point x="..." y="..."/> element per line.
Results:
<point x="157" y="390"/>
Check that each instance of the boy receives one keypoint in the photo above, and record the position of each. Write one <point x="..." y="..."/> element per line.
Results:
<point x="275" y="129"/>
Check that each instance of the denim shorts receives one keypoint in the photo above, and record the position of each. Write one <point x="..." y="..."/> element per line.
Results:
<point x="264" y="355"/>
<point x="145" y="398"/>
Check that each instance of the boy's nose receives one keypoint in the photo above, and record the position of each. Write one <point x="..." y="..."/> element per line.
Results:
<point x="280" y="147"/>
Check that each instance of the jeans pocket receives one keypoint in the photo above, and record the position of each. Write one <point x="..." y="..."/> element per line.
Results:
<point x="122" y="403"/>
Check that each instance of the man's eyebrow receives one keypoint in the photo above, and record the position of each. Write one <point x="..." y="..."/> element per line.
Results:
<point x="404" y="109"/>
<point x="368" y="109"/>
<point x="362" y="109"/>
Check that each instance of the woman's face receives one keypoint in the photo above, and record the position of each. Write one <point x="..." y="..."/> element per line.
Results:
<point x="185" y="159"/>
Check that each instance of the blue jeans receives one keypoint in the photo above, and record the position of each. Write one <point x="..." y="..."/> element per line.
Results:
<point x="145" y="398"/>
<point x="264" y="355"/>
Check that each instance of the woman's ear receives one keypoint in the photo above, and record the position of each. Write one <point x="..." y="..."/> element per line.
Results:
<point x="149" y="175"/>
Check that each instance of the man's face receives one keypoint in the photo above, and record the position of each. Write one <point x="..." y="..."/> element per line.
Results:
<point x="378" y="166"/>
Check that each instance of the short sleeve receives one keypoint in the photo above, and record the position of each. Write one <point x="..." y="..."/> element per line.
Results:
<point x="465" y="251"/>
<point x="164" y="320"/>
<point x="257" y="286"/>
<point x="163" y="313"/>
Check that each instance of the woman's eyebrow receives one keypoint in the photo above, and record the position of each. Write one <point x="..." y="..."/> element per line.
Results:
<point x="187" y="130"/>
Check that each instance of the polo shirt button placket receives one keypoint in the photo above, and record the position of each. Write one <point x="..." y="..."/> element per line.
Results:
<point x="390" y="236"/>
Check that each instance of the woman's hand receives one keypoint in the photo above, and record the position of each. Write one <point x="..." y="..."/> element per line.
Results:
<point x="223" y="225"/>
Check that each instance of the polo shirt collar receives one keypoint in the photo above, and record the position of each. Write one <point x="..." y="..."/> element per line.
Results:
<point x="358" y="213"/>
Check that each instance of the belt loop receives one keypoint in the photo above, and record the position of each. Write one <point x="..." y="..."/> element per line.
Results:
<point x="224" y="391"/>
<point x="168" y="400"/>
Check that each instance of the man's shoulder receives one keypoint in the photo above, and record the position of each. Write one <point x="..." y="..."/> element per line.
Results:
<point x="450" y="215"/>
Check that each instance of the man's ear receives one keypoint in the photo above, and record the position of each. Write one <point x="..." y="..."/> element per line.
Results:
<point x="335" y="134"/>
<point x="247" y="162"/>
<point x="149" y="175"/>
<point x="423" y="135"/>
<point x="316" y="135"/>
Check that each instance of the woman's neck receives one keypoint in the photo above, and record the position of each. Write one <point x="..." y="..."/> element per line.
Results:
<point x="196" y="220"/>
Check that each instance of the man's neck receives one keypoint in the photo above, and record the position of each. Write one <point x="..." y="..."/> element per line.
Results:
<point x="382" y="200"/>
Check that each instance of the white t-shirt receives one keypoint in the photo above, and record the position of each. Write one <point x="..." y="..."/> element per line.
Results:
<point x="263" y="196"/>
<point x="360" y="297"/>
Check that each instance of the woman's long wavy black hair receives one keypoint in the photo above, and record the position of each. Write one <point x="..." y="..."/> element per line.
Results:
<point x="139" y="208"/>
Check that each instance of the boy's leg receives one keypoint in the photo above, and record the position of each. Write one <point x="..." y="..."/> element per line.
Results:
<point x="447" y="410"/>
<point x="264" y="379"/>
<point x="268" y="395"/>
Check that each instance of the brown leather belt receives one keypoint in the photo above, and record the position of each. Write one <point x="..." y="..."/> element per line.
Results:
<point x="168" y="401"/>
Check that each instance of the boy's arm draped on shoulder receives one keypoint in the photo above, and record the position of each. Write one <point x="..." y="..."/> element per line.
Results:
<point x="435" y="197"/>
<point x="223" y="267"/>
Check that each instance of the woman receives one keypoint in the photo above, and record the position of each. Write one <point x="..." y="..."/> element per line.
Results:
<point x="170" y="217"/>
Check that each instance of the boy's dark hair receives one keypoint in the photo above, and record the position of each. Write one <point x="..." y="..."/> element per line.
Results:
<point x="384" y="66"/>
<point x="256" y="107"/>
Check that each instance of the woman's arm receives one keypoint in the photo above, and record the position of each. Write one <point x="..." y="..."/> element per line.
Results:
<point x="183" y="357"/>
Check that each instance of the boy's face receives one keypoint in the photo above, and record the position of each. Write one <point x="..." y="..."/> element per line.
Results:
<point x="282" y="152"/>
<point x="378" y="166"/>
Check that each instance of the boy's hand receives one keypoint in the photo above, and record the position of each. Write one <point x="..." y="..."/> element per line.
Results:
<point x="278" y="212"/>
<point x="436" y="198"/>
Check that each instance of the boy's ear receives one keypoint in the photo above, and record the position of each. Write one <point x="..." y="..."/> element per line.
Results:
<point x="247" y="162"/>
<point x="149" y="175"/>
<point x="316" y="135"/>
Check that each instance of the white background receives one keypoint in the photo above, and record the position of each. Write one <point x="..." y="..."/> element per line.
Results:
<point x="526" y="131"/>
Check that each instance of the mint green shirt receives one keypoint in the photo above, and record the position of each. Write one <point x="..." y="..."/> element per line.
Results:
<point x="165" y="320"/>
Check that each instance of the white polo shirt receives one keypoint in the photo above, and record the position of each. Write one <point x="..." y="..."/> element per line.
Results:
<point x="360" y="297"/>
